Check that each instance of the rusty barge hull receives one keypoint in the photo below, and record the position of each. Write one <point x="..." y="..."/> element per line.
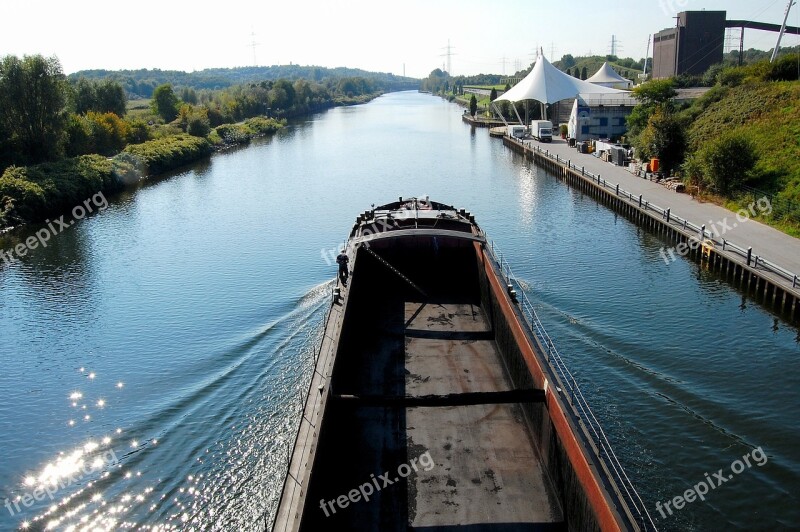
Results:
<point x="432" y="404"/>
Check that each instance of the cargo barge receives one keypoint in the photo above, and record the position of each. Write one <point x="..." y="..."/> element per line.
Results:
<point x="439" y="402"/>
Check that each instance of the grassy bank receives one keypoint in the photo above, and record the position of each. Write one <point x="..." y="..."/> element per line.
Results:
<point x="768" y="115"/>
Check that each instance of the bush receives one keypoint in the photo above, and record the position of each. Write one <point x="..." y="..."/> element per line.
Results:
<point x="198" y="125"/>
<point x="261" y="126"/>
<point x="139" y="131"/>
<point x="727" y="161"/>
<point x="665" y="138"/>
<point x="784" y="69"/>
<point x="731" y="76"/>
<point x="252" y="127"/>
<point x="167" y="153"/>
<point x="21" y="199"/>
<point x="109" y="132"/>
<point x="43" y="190"/>
<point x="233" y="133"/>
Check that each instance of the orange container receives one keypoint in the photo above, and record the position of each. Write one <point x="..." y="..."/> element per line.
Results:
<point x="654" y="165"/>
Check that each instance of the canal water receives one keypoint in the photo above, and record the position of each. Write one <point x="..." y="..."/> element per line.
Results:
<point x="153" y="354"/>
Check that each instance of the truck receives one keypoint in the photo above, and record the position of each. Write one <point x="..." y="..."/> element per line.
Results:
<point x="516" y="131"/>
<point x="542" y="130"/>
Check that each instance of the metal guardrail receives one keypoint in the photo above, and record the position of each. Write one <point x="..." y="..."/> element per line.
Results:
<point x="727" y="245"/>
<point x="605" y="452"/>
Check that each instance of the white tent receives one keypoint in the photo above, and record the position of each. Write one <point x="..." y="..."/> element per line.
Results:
<point x="607" y="77"/>
<point x="547" y="84"/>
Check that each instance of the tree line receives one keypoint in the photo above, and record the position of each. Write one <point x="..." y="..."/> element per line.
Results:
<point x="45" y="116"/>
<point x="143" y="82"/>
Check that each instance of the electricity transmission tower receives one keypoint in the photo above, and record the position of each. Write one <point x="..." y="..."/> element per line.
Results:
<point x="615" y="46"/>
<point x="448" y="54"/>
<point x="253" y="44"/>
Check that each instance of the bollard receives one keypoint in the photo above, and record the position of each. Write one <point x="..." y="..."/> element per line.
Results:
<point x="703" y="232"/>
<point x="583" y="170"/>
<point x="667" y="215"/>
<point x="749" y="254"/>
<point x="617" y="189"/>
<point x="723" y="244"/>
<point x="794" y="281"/>
<point x="755" y="262"/>
<point x="640" y="201"/>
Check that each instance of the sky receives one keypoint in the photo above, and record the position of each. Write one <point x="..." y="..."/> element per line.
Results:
<point x="410" y="36"/>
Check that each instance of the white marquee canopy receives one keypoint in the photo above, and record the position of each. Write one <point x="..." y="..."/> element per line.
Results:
<point x="608" y="77"/>
<point x="547" y="84"/>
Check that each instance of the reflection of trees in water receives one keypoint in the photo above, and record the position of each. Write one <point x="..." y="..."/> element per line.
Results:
<point x="59" y="273"/>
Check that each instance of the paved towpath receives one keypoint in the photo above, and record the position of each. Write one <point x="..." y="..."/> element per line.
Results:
<point x="767" y="242"/>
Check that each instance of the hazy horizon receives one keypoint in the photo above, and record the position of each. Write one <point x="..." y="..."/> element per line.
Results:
<point x="485" y="37"/>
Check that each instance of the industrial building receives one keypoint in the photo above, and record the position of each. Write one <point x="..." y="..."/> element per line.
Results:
<point x="693" y="45"/>
<point x="698" y="40"/>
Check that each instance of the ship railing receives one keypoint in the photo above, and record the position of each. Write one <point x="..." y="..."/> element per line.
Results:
<point x="678" y="222"/>
<point x="603" y="448"/>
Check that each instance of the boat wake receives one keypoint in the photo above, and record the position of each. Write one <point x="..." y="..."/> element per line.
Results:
<point x="229" y="426"/>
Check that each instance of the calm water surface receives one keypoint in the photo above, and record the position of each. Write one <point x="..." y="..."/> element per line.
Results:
<point x="153" y="354"/>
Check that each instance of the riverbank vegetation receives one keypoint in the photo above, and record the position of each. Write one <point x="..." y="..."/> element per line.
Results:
<point x="736" y="143"/>
<point x="53" y="127"/>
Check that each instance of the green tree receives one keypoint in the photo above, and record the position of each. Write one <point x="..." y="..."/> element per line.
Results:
<point x="493" y="95"/>
<point x="567" y="61"/>
<point x="727" y="161"/>
<point x="652" y="95"/>
<point x="504" y="110"/>
<point x="584" y="73"/>
<point x="32" y="105"/>
<point x="473" y="105"/>
<point x="165" y="103"/>
<point x="84" y="96"/>
<point x="569" y="73"/>
<point x="508" y="87"/>
<point x="282" y="94"/>
<point x="107" y="96"/>
<point x="189" y="95"/>
<point x="79" y="139"/>
<point x="656" y="92"/>
<point x="663" y="138"/>
<point x="111" y="98"/>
